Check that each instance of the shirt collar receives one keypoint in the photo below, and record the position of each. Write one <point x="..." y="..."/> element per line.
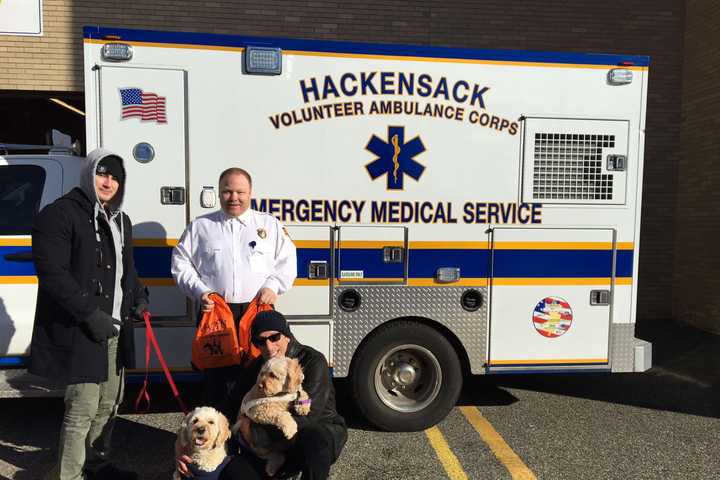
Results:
<point x="244" y="218"/>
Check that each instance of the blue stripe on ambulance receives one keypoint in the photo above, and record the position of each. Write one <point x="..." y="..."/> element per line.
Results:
<point x="218" y="40"/>
<point x="11" y="268"/>
<point x="154" y="262"/>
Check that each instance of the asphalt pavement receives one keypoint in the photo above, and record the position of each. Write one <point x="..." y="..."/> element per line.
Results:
<point x="664" y="423"/>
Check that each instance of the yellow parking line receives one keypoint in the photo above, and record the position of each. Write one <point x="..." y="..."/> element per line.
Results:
<point x="447" y="458"/>
<point x="502" y="450"/>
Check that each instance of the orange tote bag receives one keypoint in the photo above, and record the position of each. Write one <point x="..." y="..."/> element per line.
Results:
<point x="216" y="341"/>
<point x="250" y="351"/>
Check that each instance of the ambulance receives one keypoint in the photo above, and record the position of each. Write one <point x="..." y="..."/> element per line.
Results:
<point x="455" y="211"/>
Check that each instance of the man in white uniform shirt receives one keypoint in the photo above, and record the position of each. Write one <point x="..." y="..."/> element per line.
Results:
<point x="238" y="253"/>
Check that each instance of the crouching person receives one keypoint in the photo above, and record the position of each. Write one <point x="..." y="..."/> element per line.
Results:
<point x="87" y="290"/>
<point x="321" y="434"/>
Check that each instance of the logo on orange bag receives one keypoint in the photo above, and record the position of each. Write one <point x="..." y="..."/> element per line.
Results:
<point x="213" y="347"/>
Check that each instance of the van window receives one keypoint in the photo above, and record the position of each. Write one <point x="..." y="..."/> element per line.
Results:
<point x="21" y="188"/>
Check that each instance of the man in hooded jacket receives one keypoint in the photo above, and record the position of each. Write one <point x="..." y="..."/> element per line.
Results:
<point x="88" y="290"/>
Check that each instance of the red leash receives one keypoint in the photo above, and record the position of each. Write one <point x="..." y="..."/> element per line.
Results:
<point x="144" y="394"/>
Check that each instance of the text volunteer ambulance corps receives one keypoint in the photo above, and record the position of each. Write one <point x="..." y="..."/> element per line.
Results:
<point x="466" y="99"/>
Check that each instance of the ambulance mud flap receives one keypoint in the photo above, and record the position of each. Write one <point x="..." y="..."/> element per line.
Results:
<point x="406" y="376"/>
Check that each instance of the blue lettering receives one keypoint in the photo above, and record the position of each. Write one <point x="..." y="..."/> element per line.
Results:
<point x="274" y="206"/>
<point x="492" y="213"/>
<point x="366" y="83"/>
<point x="477" y="95"/>
<point x="536" y="213"/>
<point x="424" y="86"/>
<point x="406" y="84"/>
<point x="312" y="89"/>
<point x="260" y="207"/>
<point x="329" y="88"/>
<point x="378" y="212"/>
<point x="288" y="214"/>
<point x="343" y="84"/>
<point x="387" y="83"/>
<point x="523" y="213"/>
<point x="460" y="98"/>
<point x="358" y="207"/>
<point x="441" y="89"/>
<point x="302" y="210"/>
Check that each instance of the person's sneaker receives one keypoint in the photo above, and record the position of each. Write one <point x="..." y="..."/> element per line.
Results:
<point x="111" y="472"/>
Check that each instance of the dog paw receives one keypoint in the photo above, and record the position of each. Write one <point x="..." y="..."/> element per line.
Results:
<point x="289" y="429"/>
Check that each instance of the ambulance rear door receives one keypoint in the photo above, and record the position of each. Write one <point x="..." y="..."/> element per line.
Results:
<point x="142" y="117"/>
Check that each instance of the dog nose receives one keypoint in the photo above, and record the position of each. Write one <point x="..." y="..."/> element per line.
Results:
<point x="201" y="430"/>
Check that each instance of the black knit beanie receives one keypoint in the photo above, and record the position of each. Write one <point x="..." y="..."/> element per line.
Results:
<point x="270" y="320"/>
<point x="112" y="165"/>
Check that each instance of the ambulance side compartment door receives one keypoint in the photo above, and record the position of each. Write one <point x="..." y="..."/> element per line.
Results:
<point x="550" y="298"/>
<point x="308" y="303"/>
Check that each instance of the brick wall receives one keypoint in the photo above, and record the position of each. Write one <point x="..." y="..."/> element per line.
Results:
<point x="696" y="292"/>
<point x="619" y="26"/>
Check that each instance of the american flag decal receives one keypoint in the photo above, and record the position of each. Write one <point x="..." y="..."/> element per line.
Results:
<point x="552" y="317"/>
<point x="144" y="105"/>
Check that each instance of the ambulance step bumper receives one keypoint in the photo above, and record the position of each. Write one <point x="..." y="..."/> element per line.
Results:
<point x="642" y="360"/>
<point x="18" y="383"/>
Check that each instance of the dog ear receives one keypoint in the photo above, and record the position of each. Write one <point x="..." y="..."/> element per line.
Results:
<point x="223" y="430"/>
<point x="182" y="440"/>
<point x="295" y="375"/>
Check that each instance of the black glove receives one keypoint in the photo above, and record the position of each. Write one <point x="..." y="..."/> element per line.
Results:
<point x="100" y="326"/>
<point x="138" y="310"/>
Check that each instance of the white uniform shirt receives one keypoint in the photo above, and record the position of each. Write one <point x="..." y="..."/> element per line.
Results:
<point x="235" y="257"/>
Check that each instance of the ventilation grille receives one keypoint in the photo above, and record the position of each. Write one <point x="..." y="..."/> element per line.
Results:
<point x="568" y="166"/>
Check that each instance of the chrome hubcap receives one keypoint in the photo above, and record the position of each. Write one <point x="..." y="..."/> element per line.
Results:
<point x="408" y="378"/>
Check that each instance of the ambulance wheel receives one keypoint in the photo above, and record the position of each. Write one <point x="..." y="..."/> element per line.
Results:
<point x="406" y="377"/>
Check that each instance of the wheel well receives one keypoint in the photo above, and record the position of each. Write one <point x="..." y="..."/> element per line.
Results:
<point x="446" y="332"/>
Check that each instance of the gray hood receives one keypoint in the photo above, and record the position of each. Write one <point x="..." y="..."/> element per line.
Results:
<point x="87" y="178"/>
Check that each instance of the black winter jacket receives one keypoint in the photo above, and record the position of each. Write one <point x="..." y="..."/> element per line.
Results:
<point x="76" y="275"/>
<point x="318" y="386"/>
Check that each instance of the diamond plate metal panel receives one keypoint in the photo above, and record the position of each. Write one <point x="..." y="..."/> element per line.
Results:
<point x="382" y="303"/>
<point x="622" y="347"/>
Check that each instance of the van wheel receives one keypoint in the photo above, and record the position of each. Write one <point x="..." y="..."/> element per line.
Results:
<point x="406" y="377"/>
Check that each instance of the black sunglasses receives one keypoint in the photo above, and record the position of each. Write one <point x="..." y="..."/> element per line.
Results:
<point x="259" y="341"/>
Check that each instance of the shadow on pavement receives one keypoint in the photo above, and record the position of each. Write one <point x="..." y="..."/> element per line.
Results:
<point x="685" y="377"/>
<point x="30" y="431"/>
<point x="30" y="428"/>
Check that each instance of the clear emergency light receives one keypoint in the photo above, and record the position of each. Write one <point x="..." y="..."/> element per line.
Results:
<point x="117" y="52"/>
<point x="263" y="61"/>
<point x="447" y="274"/>
<point x="620" y="76"/>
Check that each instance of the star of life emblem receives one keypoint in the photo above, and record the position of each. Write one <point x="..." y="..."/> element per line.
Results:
<point x="395" y="158"/>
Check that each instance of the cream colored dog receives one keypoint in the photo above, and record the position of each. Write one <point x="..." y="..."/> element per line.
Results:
<point x="202" y="436"/>
<point x="277" y="390"/>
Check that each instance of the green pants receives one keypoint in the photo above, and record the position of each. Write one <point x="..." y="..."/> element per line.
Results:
<point x="90" y="410"/>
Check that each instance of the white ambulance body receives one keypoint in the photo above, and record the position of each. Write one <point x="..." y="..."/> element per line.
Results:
<point x="455" y="211"/>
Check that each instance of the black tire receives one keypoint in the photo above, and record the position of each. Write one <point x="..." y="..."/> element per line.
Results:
<point x="406" y="376"/>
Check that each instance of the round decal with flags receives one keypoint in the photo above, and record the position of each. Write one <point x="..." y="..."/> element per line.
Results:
<point x="552" y="317"/>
